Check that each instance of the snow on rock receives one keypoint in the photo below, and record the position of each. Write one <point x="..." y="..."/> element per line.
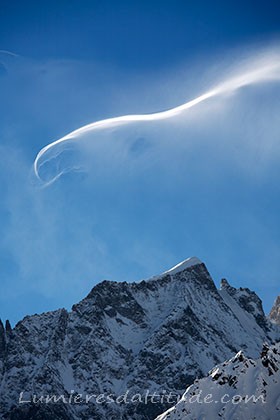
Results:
<point x="189" y="262"/>
<point x="157" y="335"/>
<point x="275" y="311"/>
<point x="240" y="388"/>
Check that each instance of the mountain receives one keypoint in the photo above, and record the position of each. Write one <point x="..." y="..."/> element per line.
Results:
<point x="127" y="341"/>
<point x="275" y="311"/>
<point x="241" y="388"/>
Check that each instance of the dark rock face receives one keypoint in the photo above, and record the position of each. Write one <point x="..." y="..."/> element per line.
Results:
<point x="124" y="340"/>
<point x="2" y="338"/>
<point x="247" y="300"/>
<point x="275" y="311"/>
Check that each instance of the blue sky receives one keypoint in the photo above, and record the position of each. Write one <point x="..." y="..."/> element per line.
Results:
<point x="150" y="195"/>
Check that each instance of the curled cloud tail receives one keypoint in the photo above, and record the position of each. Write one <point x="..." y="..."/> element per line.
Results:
<point x="264" y="69"/>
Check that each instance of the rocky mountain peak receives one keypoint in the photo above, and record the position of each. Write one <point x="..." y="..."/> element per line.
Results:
<point x="274" y="314"/>
<point x="157" y="334"/>
<point x="188" y="263"/>
<point x="246" y="299"/>
<point x="242" y="380"/>
<point x="225" y="285"/>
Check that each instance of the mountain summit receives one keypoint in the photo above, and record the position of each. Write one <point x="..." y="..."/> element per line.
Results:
<point x="157" y="335"/>
<point x="240" y="388"/>
<point x="275" y="311"/>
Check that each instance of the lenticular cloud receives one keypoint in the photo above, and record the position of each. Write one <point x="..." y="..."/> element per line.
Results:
<point x="80" y="148"/>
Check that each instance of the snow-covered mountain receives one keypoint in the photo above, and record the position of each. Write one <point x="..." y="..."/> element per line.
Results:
<point x="241" y="388"/>
<point x="128" y="339"/>
<point x="275" y="311"/>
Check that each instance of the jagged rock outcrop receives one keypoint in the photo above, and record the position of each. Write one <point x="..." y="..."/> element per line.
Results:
<point x="157" y="335"/>
<point x="2" y="339"/>
<point x="247" y="300"/>
<point x="241" y="388"/>
<point x="275" y="311"/>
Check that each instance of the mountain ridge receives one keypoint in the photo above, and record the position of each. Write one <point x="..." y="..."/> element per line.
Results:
<point x="239" y="388"/>
<point x="158" y="334"/>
